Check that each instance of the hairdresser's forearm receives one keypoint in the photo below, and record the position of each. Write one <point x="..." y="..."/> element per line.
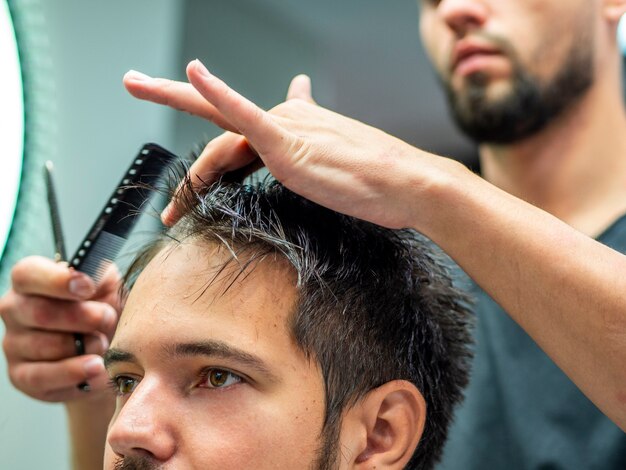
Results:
<point x="565" y="289"/>
<point x="88" y="421"/>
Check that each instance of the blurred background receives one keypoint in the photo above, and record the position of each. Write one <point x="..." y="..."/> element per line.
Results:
<point x="364" y="58"/>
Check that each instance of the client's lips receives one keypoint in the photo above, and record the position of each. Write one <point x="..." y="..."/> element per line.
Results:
<point x="467" y="50"/>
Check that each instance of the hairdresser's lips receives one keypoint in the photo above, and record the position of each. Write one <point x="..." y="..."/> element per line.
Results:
<point x="471" y="56"/>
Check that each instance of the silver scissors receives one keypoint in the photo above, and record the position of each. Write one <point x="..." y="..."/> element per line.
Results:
<point x="59" y="250"/>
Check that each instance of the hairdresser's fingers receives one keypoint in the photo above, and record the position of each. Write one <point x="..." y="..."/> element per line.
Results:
<point x="52" y="381"/>
<point x="225" y="153"/>
<point x="110" y="289"/>
<point x="43" y="313"/>
<point x="300" y="88"/>
<point x="99" y="387"/>
<point x="229" y="152"/>
<point x="35" y="345"/>
<point x="267" y="137"/>
<point x="36" y="275"/>
<point x="230" y="157"/>
<point x="178" y="95"/>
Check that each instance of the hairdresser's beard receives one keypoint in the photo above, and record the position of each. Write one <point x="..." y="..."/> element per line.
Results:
<point x="529" y="105"/>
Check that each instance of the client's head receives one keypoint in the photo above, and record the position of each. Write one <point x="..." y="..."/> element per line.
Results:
<point x="264" y="331"/>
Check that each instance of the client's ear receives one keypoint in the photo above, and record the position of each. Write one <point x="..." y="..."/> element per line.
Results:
<point x="383" y="429"/>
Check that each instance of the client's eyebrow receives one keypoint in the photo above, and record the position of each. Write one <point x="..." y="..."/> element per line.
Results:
<point x="209" y="348"/>
<point x="113" y="356"/>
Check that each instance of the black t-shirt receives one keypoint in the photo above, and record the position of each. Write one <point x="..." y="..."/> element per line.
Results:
<point x="521" y="411"/>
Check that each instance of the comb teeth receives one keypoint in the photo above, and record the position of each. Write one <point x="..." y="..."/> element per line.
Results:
<point x="95" y="260"/>
<point x="114" y="225"/>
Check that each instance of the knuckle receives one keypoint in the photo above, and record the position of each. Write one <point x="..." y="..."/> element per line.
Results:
<point x="5" y="306"/>
<point x="281" y="108"/>
<point x="20" y="274"/>
<point x="90" y="317"/>
<point x="94" y="345"/>
<point x="93" y="322"/>
<point x="14" y="378"/>
<point x="23" y="378"/>
<point x="51" y="347"/>
<point x="41" y="314"/>
<point x="298" y="150"/>
<point x="8" y="345"/>
<point x="293" y="106"/>
<point x="298" y="103"/>
<point x="164" y="88"/>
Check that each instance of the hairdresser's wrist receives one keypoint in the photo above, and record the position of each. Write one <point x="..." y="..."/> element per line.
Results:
<point x="460" y="211"/>
<point x="434" y="187"/>
<point x="88" y="420"/>
<point x="95" y="405"/>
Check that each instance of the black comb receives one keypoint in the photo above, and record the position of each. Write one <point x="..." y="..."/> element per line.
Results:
<point x="109" y="233"/>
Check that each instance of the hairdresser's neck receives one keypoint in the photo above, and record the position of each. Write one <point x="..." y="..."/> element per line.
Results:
<point x="575" y="168"/>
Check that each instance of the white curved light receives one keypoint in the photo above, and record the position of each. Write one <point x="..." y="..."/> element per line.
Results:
<point x="621" y="34"/>
<point x="11" y="123"/>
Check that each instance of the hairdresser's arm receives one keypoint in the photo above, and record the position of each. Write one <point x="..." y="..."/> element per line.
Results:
<point x="562" y="287"/>
<point x="46" y="304"/>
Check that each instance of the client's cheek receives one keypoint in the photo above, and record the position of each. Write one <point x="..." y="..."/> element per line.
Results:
<point x="270" y="435"/>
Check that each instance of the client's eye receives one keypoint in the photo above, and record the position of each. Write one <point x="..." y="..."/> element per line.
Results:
<point x="219" y="378"/>
<point x="123" y="384"/>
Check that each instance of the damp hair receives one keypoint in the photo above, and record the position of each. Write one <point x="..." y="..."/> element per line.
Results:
<point x="374" y="304"/>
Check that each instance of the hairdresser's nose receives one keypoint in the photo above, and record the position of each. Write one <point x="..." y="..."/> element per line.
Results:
<point x="463" y="16"/>
<point x="146" y="424"/>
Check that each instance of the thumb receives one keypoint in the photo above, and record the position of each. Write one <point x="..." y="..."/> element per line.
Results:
<point x="300" y="88"/>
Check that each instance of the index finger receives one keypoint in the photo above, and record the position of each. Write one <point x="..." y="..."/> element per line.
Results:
<point x="36" y="275"/>
<point x="263" y="133"/>
<point x="178" y="95"/>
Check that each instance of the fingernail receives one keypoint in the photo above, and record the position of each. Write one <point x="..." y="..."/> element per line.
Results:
<point x="109" y="318"/>
<point x="81" y="286"/>
<point x="93" y="366"/>
<point x="202" y="69"/>
<point x="138" y="76"/>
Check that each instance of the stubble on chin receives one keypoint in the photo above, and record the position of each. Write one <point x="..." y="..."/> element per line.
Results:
<point x="525" y="104"/>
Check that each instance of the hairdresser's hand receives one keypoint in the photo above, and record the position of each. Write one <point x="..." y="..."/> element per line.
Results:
<point x="338" y="162"/>
<point x="47" y="303"/>
<point x="178" y="95"/>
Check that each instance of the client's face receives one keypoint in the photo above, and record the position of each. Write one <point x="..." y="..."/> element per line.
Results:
<point x="212" y="380"/>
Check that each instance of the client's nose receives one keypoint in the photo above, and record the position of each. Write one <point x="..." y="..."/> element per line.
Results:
<point x="145" y="425"/>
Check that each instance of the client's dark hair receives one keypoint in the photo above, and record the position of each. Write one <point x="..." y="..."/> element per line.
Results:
<point x="374" y="304"/>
